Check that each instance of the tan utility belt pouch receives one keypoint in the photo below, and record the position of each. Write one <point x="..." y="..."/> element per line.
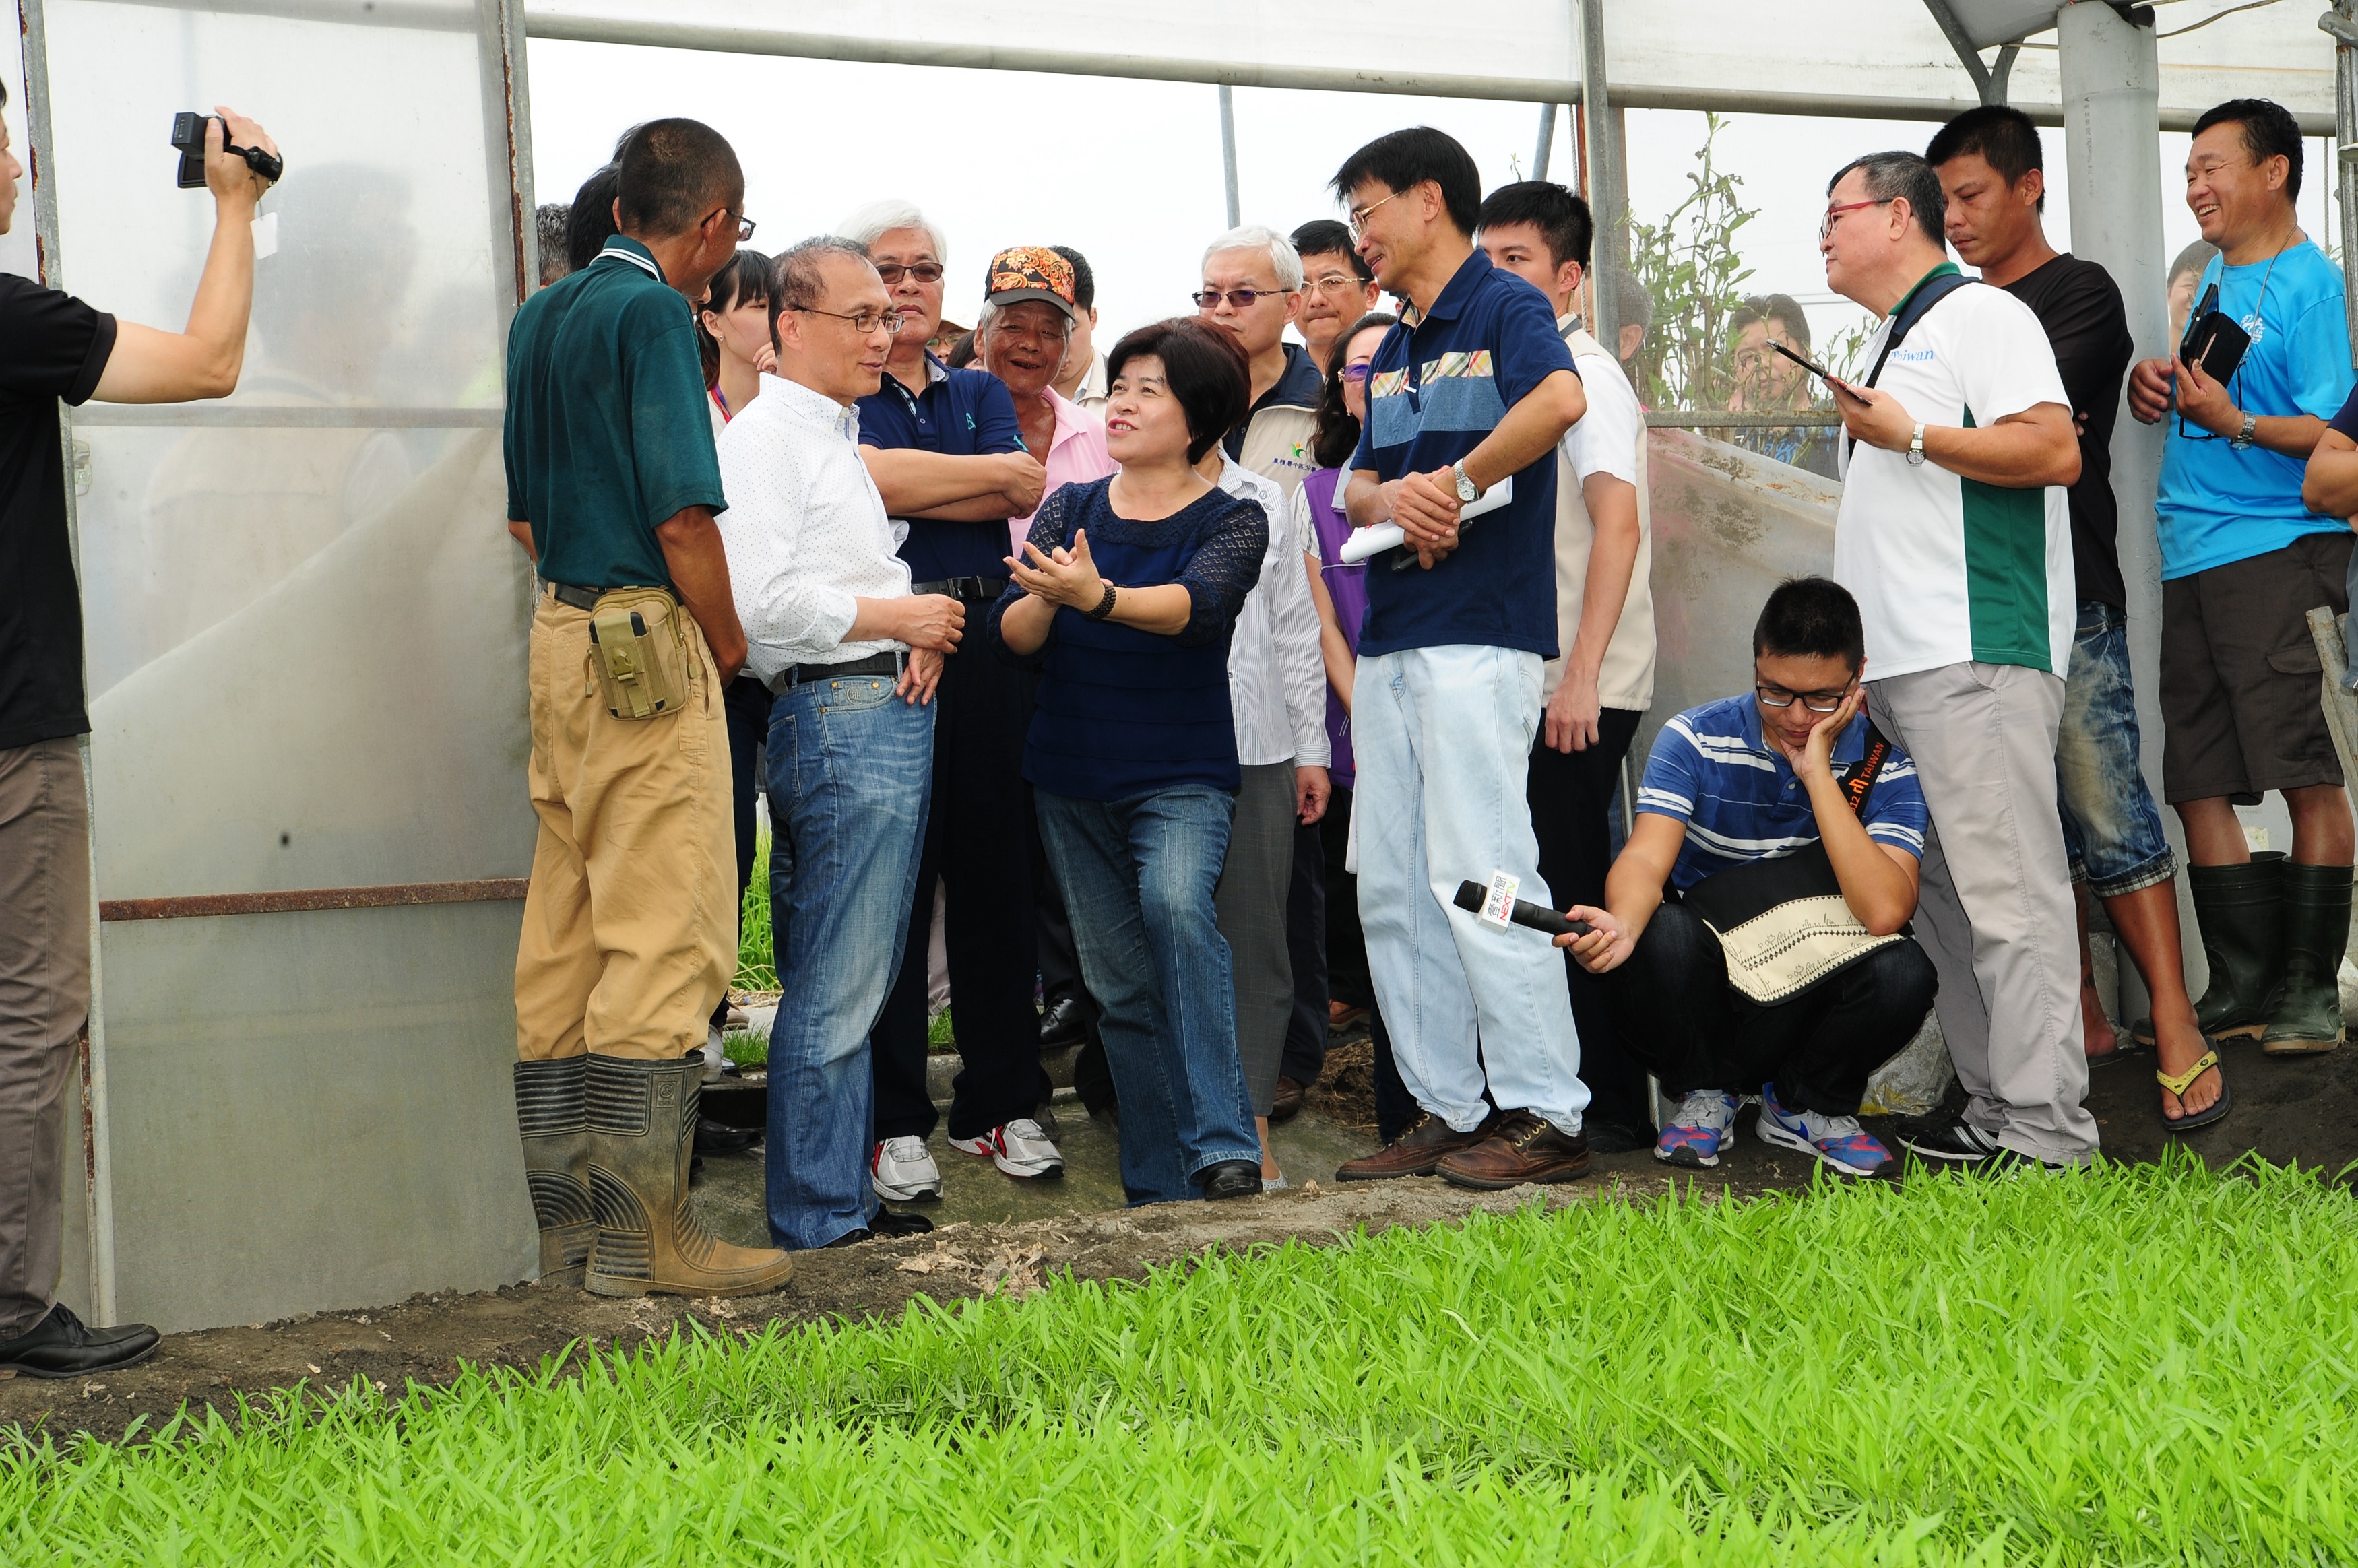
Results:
<point x="640" y="650"/>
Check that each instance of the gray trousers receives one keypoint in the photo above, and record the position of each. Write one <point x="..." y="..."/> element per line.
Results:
<point x="1996" y="913"/>
<point x="44" y="1002"/>
<point x="1251" y="906"/>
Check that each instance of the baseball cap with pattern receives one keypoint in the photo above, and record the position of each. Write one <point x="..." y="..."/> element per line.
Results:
<point x="1030" y="272"/>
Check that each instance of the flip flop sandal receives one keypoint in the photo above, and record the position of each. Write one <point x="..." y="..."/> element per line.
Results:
<point x="2118" y="1053"/>
<point x="2179" y="1083"/>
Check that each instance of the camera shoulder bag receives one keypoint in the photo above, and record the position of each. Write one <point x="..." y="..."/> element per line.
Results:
<point x="1782" y="923"/>
<point x="1913" y="309"/>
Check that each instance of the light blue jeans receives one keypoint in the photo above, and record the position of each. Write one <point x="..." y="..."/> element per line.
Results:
<point x="1138" y="877"/>
<point x="1442" y="737"/>
<point x="2112" y="830"/>
<point x="850" y="772"/>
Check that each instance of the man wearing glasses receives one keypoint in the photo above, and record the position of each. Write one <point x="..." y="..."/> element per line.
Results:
<point x="948" y="456"/>
<point x="1749" y="779"/>
<point x="629" y="927"/>
<point x="1955" y="536"/>
<point x="1252" y="288"/>
<point x="2243" y="563"/>
<point x="1471" y="390"/>
<point x="1337" y="288"/>
<point x="852" y="656"/>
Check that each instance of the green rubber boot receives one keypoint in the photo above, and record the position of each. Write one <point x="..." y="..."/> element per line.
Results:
<point x="2307" y="1017"/>
<point x="2240" y="912"/>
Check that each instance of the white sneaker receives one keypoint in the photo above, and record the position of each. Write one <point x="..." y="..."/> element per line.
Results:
<point x="1021" y="1149"/>
<point x="902" y="1171"/>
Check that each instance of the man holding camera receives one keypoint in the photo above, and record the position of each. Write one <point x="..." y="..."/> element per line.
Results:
<point x="2243" y="563"/>
<point x="58" y="347"/>
<point x="629" y="928"/>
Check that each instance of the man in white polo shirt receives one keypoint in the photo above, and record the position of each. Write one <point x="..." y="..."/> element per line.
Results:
<point x="1955" y="537"/>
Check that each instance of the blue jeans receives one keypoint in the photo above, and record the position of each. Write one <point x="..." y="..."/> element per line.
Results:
<point x="2112" y="830"/>
<point x="1138" y="877"/>
<point x="850" y="774"/>
<point x="1443" y="739"/>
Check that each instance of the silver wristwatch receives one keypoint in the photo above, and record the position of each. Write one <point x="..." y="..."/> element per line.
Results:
<point x="2242" y="440"/>
<point x="1468" y="493"/>
<point x="1916" y="446"/>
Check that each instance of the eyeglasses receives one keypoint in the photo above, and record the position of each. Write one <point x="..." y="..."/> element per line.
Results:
<point x="744" y="224"/>
<point x="1359" y="216"/>
<point x="1815" y="701"/>
<point x="1355" y="373"/>
<point x="1238" y="298"/>
<point x="1336" y="283"/>
<point x="862" y="322"/>
<point x="923" y="272"/>
<point x="1826" y="228"/>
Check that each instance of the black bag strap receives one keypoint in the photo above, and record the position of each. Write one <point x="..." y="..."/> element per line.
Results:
<point x="1912" y="311"/>
<point x="1861" y="778"/>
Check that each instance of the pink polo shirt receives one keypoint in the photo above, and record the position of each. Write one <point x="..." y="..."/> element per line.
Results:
<point x="1077" y="454"/>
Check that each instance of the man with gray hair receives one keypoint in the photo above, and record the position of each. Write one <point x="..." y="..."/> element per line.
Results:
<point x="948" y="457"/>
<point x="1955" y="537"/>
<point x="1252" y="288"/>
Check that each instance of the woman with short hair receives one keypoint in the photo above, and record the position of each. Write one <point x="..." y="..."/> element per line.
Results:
<point x="1124" y="599"/>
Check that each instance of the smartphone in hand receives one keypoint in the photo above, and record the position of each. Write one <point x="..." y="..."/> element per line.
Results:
<point x="1819" y="371"/>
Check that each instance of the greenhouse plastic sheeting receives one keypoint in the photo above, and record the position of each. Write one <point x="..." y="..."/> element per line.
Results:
<point x="1693" y="54"/>
<point x="306" y="657"/>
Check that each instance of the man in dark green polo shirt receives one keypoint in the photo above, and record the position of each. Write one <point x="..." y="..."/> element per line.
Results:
<point x="630" y="933"/>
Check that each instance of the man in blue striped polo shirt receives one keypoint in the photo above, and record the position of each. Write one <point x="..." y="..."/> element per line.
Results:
<point x="1472" y="389"/>
<point x="1752" y="778"/>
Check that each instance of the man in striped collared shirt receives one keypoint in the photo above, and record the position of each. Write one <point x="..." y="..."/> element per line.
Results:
<point x="1754" y="778"/>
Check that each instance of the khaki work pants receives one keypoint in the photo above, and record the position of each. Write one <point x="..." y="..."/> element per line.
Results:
<point x="629" y="929"/>
<point x="44" y="1002"/>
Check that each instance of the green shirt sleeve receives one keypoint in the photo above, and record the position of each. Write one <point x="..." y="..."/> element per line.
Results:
<point x="671" y="434"/>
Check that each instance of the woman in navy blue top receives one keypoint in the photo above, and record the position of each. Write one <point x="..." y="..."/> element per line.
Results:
<point x="1124" y="602"/>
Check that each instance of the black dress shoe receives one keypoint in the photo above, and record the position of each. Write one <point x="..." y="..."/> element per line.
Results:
<point x="62" y="1345"/>
<point x="852" y="1239"/>
<point x="889" y="1224"/>
<point x="1231" y="1179"/>
<point x="720" y="1137"/>
<point x="1062" y="1022"/>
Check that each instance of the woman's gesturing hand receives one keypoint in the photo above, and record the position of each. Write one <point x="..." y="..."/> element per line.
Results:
<point x="1066" y="576"/>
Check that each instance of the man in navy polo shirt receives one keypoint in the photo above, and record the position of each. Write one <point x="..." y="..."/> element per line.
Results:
<point x="948" y="455"/>
<point x="1473" y="388"/>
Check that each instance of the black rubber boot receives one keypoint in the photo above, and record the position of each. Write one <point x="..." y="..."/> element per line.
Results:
<point x="2307" y="1017"/>
<point x="2240" y="912"/>
<point x="551" y="1113"/>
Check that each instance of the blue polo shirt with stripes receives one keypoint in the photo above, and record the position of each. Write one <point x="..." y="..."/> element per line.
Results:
<point x="1738" y="795"/>
<point x="1438" y="386"/>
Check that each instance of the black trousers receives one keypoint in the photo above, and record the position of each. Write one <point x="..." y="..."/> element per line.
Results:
<point x="1570" y="794"/>
<point x="746" y="703"/>
<point x="1678" y="1015"/>
<point x="979" y="845"/>
<point x="1060" y="976"/>
<point x="1347" y="947"/>
<point x="1306" y="941"/>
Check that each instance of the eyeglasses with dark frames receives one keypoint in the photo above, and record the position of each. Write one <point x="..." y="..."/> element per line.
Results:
<point x="1815" y="701"/>
<point x="923" y="272"/>
<point x="744" y="224"/>
<point x="1238" y="298"/>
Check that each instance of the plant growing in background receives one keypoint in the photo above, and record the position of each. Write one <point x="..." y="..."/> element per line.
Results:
<point x="1689" y="266"/>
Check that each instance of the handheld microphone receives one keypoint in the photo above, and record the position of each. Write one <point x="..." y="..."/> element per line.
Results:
<point x="1538" y="916"/>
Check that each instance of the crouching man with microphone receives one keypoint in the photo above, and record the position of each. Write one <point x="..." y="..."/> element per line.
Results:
<point x="1756" y="921"/>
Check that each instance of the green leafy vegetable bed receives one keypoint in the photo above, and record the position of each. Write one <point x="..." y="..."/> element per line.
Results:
<point x="2133" y="1366"/>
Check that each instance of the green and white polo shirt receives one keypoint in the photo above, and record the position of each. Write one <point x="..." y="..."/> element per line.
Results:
<point x="1949" y="570"/>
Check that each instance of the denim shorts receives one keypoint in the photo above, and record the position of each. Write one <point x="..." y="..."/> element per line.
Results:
<point x="2112" y="830"/>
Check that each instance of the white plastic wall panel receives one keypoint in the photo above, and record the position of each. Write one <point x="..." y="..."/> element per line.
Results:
<point x="306" y="653"/>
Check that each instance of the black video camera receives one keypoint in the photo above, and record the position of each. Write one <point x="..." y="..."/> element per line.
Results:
<point x="188" y="137"/>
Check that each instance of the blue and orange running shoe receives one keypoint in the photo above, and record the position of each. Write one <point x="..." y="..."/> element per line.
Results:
<point x="1838" y="1140"/>
<point x="1704" y="1125"/>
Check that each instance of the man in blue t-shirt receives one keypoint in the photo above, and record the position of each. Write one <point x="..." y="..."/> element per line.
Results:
<point x="1753" y="778"/>
<point x="1472" y="390"/>
<point x="948" y="455"/>
<point x="2243" y="563"/>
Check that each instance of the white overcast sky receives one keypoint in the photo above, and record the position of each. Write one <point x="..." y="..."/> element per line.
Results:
<point x="1130" y="171"/>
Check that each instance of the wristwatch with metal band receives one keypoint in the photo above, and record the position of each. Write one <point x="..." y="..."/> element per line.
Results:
<point x="2242" y="440"/>
<point x="1916" y="446"/>
<point x="1468" y="493"/>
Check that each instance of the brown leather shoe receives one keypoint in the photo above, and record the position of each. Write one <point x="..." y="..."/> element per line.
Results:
<point x="1417" y="1152"/>
<point x="1522" y="1147"/>
<point x="1288" y="1103"/>
<point x="1343" y="1014"/>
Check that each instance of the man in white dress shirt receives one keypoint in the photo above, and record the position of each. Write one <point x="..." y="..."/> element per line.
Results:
<point x="851" y="658"/>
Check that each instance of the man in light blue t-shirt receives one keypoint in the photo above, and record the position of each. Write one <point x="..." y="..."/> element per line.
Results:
<point x="2243" y="562"/>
